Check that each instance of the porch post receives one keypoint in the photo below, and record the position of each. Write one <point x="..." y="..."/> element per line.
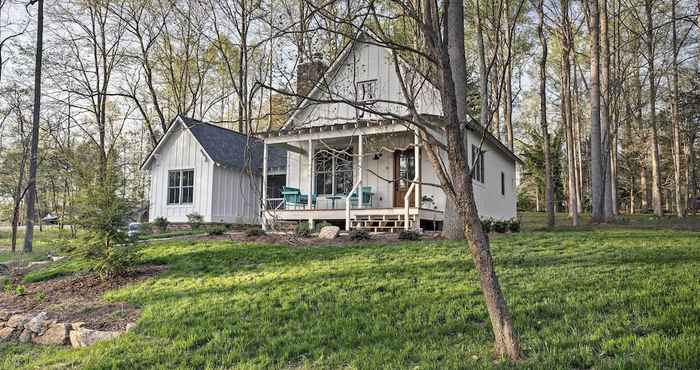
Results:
<point x="417" y="179"/>
<point x="264" y="188"/>
<point x="311" y="183"/>
<point x="359" y="165"/>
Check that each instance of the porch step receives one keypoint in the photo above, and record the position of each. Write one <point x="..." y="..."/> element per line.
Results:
<point x="381" y="223"/>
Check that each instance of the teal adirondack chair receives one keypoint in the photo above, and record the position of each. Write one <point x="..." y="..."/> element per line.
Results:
<point x="367" y="197"/>
<point x="294" y="197"/>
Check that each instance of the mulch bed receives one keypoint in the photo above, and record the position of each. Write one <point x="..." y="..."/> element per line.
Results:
<point x="78" y="298"/>
<point x="340" y="241"/>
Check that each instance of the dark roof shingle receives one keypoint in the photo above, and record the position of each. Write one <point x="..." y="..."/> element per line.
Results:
<point x="232" y="149"/>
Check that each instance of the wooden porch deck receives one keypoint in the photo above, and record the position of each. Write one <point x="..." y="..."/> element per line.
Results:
<point x="371" y="219"/>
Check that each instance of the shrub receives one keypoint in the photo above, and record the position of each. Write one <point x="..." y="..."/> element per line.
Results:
<point x="359" y="234"/>
<point x="216" y="230"/>
<point x="195" y="220"/>
<point x="487" y="225"/>
<point x="161" y="223"/>
<point x="302" y="230"/>
<point x="254" y="231"/>
<point x="514" y="225"/>
<point x="103" y="214"/>
<point x="500" y="226"/>
<point x="409" y="235"/>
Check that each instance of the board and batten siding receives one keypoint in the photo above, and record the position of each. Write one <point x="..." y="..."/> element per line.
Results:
<point x="489" y="200"/>
<point x="367" y="62"/>
<point x="236" y="199"/>
<point x="180" y="151"/>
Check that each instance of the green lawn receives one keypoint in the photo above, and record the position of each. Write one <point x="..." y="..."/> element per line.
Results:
<point x="45" y="241"/>
<point x="605" y="297"/>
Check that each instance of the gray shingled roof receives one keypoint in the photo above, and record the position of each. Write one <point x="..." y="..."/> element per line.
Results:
<point x="229" y="148"/>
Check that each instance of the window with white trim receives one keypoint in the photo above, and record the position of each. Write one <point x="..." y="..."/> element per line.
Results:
<point x="333" y="172"/>
<point x="180" y="186"/>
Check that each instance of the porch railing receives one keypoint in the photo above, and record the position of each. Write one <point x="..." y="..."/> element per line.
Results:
<point x="407" y="204"/>
<point x="275" y="203"/>
<point x="348" y="202"/>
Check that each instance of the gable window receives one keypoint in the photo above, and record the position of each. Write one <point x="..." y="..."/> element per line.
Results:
<point x="180" y="186"/>
<point x="333" y="172"/>
<point x="367" y="90"/>
<point x="477" y="164"/>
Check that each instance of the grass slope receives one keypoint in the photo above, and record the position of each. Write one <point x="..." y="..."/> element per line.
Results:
<point x="613" y="297"/>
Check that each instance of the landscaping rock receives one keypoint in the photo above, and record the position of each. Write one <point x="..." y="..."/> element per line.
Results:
<point x="4" y="315"/>
<point x="84" y="337"/>
<point x="57" y="258"/>
<point x="76" y="325"/>
<point x="38" y="324"/>
<point x="26" y="336"/>
<point x="130" y="326"/>
<point x="17" y="321"/>
<point x="56" y="334"/>
<point x="329" y="232"/>
<point x="6" y="334"/>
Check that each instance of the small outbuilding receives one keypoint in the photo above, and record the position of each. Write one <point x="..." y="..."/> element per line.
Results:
<point x="200" y="168"/>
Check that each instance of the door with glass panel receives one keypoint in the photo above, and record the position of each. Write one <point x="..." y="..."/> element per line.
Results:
<point x="404" y="172"/>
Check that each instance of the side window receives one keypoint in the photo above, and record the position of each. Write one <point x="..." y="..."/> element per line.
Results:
<point x="180" y="186"/>
<point x="477" y="164"/>
<point x="187" y="186"/>
<point x="173" y="187"/>
<point x="503" y="183"/>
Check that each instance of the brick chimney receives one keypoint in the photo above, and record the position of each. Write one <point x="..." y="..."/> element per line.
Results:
<point x="308" y="74"/>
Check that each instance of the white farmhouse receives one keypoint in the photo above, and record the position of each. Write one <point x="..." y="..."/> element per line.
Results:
<point x="364" y="168"/>
<point x="200" y="168"/>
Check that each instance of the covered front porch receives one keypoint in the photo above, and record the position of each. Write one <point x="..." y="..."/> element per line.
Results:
<point x="367" y="175"/>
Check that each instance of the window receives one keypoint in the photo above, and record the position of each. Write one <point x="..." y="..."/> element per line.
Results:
<point x="367" y="90"/>
<point x="503" y="183"/>
<point x="477" y="164"/>
<point x="333" y="172"/>
<point x="180" y="186"/>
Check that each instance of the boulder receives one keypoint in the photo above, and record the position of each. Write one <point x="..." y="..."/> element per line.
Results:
<point x="84" y="337"/>
<point x="130" y="326"/>
<point x="26" y="336"/>
<point x="17" y="321"/>
<point x="37" y="324"/>
<point x="77" y="325"/>
<point x="4" y="315"/>
<point x="329" y="232"/>
<point x="56" y="334"/>
<point x="6" y="334"/>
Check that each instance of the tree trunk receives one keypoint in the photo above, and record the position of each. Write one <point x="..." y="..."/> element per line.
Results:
<point x="463" y="195"/>
<point x="453" y="224"/>
<point x="597" y="178"/>
<point x="34" y="148"/>
<point x="655" y="166"/>
<point x="566" y="114"/>
<point x="549" y="188"/>
<point x="605" y="112"/>
<point x="674" y="119"/>
<point x="508" y="98"/>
